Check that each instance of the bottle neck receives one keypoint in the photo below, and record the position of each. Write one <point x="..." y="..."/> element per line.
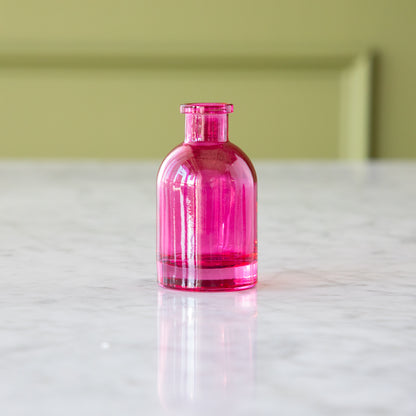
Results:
<point x="207" y="128"/>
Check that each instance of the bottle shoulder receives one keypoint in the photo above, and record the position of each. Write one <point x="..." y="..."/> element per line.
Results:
<point x="207" y="160"/>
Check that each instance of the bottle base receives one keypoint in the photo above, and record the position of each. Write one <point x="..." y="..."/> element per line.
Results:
<point x="207" y="279"/>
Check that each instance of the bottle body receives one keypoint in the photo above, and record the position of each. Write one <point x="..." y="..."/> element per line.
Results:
<point x="207" y="218"/>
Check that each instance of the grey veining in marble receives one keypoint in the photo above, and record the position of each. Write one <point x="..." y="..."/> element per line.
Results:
<point x="330" y="329"/>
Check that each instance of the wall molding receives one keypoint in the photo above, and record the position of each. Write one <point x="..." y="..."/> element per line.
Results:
<point x="355" y="75"/>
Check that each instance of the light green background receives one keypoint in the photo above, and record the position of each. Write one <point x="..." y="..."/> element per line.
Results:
<point x="57" y="100"/>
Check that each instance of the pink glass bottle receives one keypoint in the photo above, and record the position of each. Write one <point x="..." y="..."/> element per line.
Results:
<point x="207" y="207"/>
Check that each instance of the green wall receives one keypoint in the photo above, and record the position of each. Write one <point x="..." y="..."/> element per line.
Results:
<point x="82" y="78"/>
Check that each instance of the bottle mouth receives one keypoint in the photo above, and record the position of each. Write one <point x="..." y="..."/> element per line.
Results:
<point x="206" y="108"/>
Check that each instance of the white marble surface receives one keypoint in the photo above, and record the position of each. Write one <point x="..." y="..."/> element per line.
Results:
<point x="330" y="329"/>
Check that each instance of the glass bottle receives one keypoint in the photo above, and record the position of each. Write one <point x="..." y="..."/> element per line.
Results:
<point x="207" y="207"/>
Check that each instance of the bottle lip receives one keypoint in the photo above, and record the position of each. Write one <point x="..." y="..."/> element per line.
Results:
<point x="206" y="108"/>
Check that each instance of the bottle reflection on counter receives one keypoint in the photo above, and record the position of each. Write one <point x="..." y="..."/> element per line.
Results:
<point x="206" y="347"/>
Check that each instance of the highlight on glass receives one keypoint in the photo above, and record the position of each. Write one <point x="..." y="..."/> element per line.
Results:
<point x="207" y="207"/>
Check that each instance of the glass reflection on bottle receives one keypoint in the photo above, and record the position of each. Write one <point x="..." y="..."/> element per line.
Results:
<point x="205" y="347"/>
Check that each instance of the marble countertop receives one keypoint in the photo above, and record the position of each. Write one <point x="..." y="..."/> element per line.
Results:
<point x="329" y="330"/>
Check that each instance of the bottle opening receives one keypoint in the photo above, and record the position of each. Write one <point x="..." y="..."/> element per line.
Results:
<point x="206" y="108"/>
